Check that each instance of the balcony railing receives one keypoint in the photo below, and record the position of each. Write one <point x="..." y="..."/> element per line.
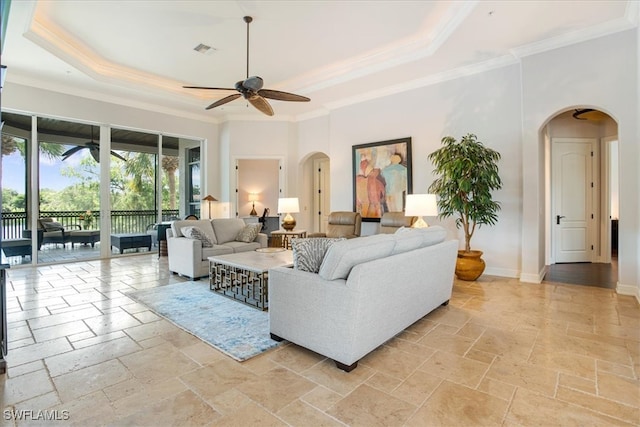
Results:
<point x="131" y="221"/>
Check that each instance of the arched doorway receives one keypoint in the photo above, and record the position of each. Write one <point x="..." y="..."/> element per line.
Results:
<point x="581" y="197"/>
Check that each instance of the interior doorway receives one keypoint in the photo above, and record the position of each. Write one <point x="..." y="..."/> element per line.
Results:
<point x="258" y="186"/>
<point x="581" y="197"/>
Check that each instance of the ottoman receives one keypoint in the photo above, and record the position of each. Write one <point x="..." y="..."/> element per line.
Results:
<point x="16" y="247"/>
<point x="85" y="237"/>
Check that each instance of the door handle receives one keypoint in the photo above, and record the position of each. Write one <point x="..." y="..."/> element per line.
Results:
<point x="558" y="218"/>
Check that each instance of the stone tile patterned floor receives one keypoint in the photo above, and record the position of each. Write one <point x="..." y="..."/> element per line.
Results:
<point x="501" y="353"/>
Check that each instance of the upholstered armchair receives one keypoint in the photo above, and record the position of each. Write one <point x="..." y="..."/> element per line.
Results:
<point x="342" y="224"/>
<point x="391" y="221"/>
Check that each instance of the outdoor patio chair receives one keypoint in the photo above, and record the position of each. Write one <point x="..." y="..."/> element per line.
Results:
<point x="54" y="232"/>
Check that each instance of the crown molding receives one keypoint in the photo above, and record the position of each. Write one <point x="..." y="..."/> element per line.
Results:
<point x="320" y="112"/>
<point x="419" y="47"/>
<point x="54" y="39"/>
<point x="632" y="12"/>
<point x="434" y="79"/>
<point x="67" y="90"/>
<point x="600" y="30"/>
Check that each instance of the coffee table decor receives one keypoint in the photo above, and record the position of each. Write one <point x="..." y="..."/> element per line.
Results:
<point x="270" y="250"/>
<point x="237" y="330"/>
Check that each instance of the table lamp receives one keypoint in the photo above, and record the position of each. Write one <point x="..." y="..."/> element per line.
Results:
<point x="421" y="205"/>
<point x="210" y="199"/>
<point x="288" y="205"/>
<point x="253" y="197"/>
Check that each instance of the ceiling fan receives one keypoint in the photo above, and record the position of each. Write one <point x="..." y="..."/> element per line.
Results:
<point x="94" y="149"/>
<point x="251" y="89"/>
<point x="589" y="114"/>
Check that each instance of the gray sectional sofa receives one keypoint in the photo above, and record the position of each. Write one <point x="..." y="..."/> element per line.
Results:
<point x="189" y="258"/>
<point x="367" y="290"/>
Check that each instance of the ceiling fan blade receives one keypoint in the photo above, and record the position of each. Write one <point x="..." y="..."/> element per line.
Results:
<point x="208" y="88"/>
<point x="261" y="104"/>
<point x="282" y="96"/>
<point x="71" y="152"/>
<point x="114" y="154"/>
<point x="224" y="101"/>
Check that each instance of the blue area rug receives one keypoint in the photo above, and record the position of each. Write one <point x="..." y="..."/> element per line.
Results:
<point x="230" y="326"/>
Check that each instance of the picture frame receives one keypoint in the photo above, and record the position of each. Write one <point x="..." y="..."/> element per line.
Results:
<point x="382" y="177"/>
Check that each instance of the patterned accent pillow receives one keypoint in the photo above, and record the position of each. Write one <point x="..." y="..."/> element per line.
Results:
<point x="196" y="233"/>
<point x="248" y="233"/>
<point x="309" y="253"/>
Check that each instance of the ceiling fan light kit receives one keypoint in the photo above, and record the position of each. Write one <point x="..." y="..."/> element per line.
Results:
<point x="251" y="89"/>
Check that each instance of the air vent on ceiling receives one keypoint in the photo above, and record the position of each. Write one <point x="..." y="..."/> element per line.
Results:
<point x="204" y="49"/>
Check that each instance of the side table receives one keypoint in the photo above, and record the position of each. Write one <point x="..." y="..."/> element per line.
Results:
<point x="283" y="237"/>
<point x="162" y="238"/>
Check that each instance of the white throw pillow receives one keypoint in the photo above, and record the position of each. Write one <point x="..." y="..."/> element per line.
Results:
<point x="248" y="233"/>
<point x="197" y="234"/>
<point x="309" y="253"/>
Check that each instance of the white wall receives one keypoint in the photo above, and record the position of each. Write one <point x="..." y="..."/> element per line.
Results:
<point x="602" y="74"/>
<point x="637" y="119"/>
<point x="486" y="104"/>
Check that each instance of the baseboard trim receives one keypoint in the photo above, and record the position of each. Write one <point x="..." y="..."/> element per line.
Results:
<point x="630" y="290"/>
<point x="502" y="272"/>
<point x="533" y="278"/>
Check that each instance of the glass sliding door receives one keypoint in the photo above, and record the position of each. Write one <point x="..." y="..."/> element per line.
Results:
<point x="133" y="192"/>
<point x="16" y="137"/>
<point x="68" y="190"/>
<point x="194" y="203"/>
<point x="170" y="179"/>
<point x="51" y="171"/>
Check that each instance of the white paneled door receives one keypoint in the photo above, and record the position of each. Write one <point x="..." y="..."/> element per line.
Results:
<point x="572" y="198"/>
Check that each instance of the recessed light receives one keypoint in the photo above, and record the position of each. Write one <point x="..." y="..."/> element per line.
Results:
<point x="204" y="49"/>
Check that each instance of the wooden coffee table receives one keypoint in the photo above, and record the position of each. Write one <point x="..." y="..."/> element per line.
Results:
<point x="244" y="276"/>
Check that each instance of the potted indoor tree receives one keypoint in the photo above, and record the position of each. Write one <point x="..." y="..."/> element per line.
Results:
<point x="467" y="173"/>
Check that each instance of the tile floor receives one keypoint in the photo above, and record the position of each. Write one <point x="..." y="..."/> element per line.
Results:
<point x="502" y="353"/>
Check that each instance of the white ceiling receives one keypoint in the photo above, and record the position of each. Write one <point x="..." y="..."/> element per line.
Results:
<point x="140" y="53"/>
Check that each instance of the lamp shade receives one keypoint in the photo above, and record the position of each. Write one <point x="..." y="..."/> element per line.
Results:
<point x="210" y="198"/>
<point x="253" y="197"/>
<point x="288" y="205"/>
<point x="421" y="205"/>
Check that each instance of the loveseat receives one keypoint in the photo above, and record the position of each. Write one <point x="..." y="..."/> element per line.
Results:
<point x="366" y="291"/>
<point x="188" y="255"/>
